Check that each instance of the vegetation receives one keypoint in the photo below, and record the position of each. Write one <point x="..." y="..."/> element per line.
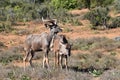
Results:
<point x="98" y="17"/>
<point x="117" y="5"/>
<point x="115" y="22"/>
<point x="2" y="44"/>
<point x="8" y="56"/>
<point x="81" y="66"/>
<point x="26" y="10"/>
<point x="95" y="43"/>
<point x="111" y="75"/>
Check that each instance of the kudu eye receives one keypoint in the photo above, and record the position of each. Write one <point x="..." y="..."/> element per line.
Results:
<point x="51" y="27"/>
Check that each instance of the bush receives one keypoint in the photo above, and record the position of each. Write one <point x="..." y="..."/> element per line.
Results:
<point x="115" y="22"/>
<point x="117" y="5"/>
<point x="98" y="17"/>
<point x="5" y="27"/>
<point x="68" y="4"/>
<point x="95" y="3"/>
<point x="24" y="77"/>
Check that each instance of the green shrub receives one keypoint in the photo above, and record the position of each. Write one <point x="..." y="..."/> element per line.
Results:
<point x="5" y="27"/>
<point x="68" y="4"/>
<point x="24" y="77"/>
<point x="96" y="73"/>
<point x="115" y="22"/>
<point x="95" y="3"/>
<point x="117" y="5"/>
<point x="113" y="53"/>
<point x="98" y="17"/>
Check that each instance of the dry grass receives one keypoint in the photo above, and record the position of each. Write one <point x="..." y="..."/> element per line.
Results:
<point x="81" y="67"/>
<point x="95" y="43"/>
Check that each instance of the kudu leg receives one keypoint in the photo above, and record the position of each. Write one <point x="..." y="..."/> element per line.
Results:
<point x="30" y="59"/>
<point x="55" y="59"/>
<point x="25" y="59"/>
<point x="66" y="63"/>
<point x="45" y="60"/>
<point x="60" y="57"/>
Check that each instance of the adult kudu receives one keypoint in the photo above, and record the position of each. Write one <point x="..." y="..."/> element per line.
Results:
<point x="41" y="42"/>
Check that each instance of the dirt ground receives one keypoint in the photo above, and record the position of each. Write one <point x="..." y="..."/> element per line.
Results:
<point x="77" y="32"/>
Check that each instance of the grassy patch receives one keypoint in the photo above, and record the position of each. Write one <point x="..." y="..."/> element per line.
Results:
<point x="10" y="55"/>
<point x="111" y="75"/>
<point x="6" y="27"/>
<point x="95" y="43"/>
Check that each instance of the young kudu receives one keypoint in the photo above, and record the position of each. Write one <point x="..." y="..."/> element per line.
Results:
<point x="61" y="49"/>
<point x="40" y="42"/>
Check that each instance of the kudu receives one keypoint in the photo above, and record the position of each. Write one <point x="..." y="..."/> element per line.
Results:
<point x="61" y="49"/>
<point x="40" y="42"/>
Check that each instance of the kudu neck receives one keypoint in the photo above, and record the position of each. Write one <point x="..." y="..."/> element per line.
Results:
<point x="50" y="37"/>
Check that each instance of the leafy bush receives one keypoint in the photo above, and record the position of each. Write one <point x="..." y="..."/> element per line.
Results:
<point x="72" y="4"/>
<point x="24" y="77"/>
<point x="115" y="22"/>
<point x="14" y="10"/>
<point x="68" y="4"/>
<point x="95" y="3"/>
<point x="5" y="27"/>
<point x="98" y="16"/>
<point x="117" y="5"/>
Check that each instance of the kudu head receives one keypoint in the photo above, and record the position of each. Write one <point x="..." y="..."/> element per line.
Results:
<point x="52" y="25"/>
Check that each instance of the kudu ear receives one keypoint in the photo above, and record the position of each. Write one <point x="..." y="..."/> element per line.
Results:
<point x="55" y="21"/>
